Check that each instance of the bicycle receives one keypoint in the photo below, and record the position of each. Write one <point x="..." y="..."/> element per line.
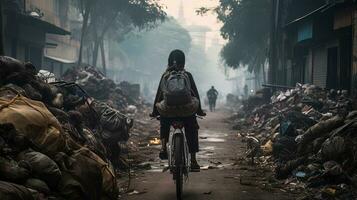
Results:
<point x="178" y="156"/>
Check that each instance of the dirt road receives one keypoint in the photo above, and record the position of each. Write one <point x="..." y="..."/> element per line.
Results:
<point x="224" y="175"/>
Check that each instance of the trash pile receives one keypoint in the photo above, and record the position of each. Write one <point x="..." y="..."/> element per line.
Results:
<point x="308" y="135"/>
<point x="119" y="96"/>
<point x="231" y="100"/>
<point x="56" y="141"/>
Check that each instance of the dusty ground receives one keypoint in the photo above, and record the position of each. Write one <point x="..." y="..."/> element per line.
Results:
<point x="224" y="175"/>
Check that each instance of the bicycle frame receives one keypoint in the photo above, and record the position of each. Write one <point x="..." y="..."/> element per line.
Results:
<point x="178" y="132"/>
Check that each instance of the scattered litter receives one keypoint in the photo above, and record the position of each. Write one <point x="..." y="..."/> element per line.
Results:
<point x="155" y="141"/>
<point x="135" y="192"/>
<point x="208" y="193"/>
<point x="305" y="133"/>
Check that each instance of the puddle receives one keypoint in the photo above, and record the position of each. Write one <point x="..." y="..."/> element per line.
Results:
<point x="208" y="148"/>
<point x="209" y="133"/>
<point x="205" y="155"/>
<point x="155" y="170"/>
<point x="212" y="136"/>
<point x="212" y="139"/>
<point x="157" y="167"/>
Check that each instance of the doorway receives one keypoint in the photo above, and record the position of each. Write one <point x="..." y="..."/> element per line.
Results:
<point x="332" y="68"/>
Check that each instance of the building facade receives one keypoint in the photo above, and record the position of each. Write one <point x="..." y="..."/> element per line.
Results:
<point x="313" y="42"/>
<point x="39" y="32"/>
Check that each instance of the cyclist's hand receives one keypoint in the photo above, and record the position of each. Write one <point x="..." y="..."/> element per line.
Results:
<point x="153" y="115"/>
<point x="201" y="113"/>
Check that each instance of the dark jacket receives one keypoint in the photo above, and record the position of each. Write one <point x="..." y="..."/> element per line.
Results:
<point x="160" y="96"/>
<point x="212" y="94"/>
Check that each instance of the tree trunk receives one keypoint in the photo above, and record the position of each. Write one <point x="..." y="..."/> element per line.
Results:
<point x="102" y="52"/>
<point x="89" y="51"/>
<point x="95" y="52"/>
<point x="84" y="30"/>
<point x="263" y="70"/>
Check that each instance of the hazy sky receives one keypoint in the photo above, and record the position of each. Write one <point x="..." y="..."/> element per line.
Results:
<point x="216" y="75"/>
<point x="190" y="6"/>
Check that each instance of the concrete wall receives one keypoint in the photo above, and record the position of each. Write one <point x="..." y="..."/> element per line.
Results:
<point x="57" y="12"/>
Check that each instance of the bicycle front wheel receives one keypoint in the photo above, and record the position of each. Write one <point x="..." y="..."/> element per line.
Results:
<point x="178" y="166"/>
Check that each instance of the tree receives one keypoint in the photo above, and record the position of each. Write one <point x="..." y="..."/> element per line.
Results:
<point x="246" y="25"/>
<point x="85" y="7"/>
<point x="101" y="17"/>
<point x="143" y="54"/>
<point x="154" y="45"/>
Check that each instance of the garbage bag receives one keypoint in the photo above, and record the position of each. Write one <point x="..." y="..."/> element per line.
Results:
<point x="287" y="129"/>
<point x="93" y="176"/>
<point x="8" y="68"/>
<point x="11" y="90"/>
<point x="113" y="122"/>
<point x="178" y="111"/>
<point x="11" y="191"/>
<point x="332" y="168"/>
<point x="284" y="148"/>
<point x="42" y="167"/>
<point x="334" y="149"/>
<point x="32" y="93"/>
<point x="70" y="188"/>
<point x="320" y="129"/>
<point x="82" y="177"/>
<point x="352" y="115"/>
<point x="94" y="143"/>
<point x="283" y="170"/>
<point x="299" y="120"/>
<point x="32" y="119"/>
<point x="38" y="185"/>
<point x="14" y="142"/>
<point x="317" y="143"/>
<point x="11" y="171"/>
<point x="109" y="182"/>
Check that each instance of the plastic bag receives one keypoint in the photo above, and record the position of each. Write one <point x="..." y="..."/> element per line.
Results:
<point x="33" y="120"/>
<point x="334" y="148"/>
<point x="11" y="191"/>
<point x="42" y="167"/>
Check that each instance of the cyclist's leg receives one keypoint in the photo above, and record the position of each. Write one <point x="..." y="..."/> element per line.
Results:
<point x="191" y="132"/>
<point x="165" y="124"/>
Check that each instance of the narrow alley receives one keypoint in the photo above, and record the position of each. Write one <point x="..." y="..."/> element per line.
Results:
<point x="89" y="91"/>
<point x="224" y="174"/>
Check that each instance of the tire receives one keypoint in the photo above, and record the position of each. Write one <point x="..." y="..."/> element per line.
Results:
<point x="178" y="166"/>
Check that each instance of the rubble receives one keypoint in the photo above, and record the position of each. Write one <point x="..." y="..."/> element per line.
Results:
<point x="58" y="140"/>
<point x="307" y="134"/>
<point x="119" y="96"/>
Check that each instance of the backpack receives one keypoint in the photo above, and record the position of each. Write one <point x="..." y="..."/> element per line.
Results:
<point x="211" y="94"/>
<point x="176" y="88"/>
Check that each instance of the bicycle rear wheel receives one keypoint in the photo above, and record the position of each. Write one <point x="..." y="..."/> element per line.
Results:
<point x="178" y="166"/>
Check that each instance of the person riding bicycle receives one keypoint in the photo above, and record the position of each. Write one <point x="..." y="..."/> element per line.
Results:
<point x="177" y="99"/>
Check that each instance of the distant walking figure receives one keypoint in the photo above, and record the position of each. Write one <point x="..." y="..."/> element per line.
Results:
<point x="212" y="95"/>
